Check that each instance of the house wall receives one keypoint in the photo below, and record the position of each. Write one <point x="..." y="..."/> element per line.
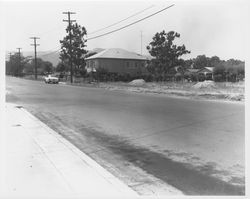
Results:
<point x="120" y="66"/>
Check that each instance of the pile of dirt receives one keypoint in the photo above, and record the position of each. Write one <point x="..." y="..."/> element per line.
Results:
<point x="235" y="97"/>
<point x="137" y="82"/>
<point x="205" y="84"/>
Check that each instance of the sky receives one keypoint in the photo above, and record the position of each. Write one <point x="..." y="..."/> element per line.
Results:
<point x="206" y="27"/>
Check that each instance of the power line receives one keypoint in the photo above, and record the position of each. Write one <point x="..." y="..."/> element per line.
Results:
<point x="121" y="20"/>
<point x="54" y="51"/>
<point x="131" y="23"/>
<point x="35" y="45"/>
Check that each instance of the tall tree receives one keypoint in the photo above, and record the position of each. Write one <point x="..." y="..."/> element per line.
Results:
<point x="78" y="34"/>
<point x="166" y="54"/>
<point x="15" y="66"/>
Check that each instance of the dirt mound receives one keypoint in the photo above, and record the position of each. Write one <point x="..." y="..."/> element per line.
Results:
<point x="137" y="82"/>
<point x="205" y="84"/>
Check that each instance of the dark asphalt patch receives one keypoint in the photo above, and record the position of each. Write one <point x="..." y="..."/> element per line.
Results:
<point x="183" y="176"/>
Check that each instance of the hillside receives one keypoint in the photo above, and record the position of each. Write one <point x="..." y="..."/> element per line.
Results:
<point x="50" y="56"/>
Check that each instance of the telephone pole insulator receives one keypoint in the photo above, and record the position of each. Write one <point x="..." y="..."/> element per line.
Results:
<point x="35" y="45"/>
<point x="70" y="43"/>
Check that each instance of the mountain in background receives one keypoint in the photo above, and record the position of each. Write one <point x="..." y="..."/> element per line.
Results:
<point x="50" y="56"/>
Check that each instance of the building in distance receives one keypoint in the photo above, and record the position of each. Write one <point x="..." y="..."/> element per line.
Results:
<point x="118" y="61"/>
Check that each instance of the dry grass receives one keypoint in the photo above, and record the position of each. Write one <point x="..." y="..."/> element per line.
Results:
<point x="219" y="90"/>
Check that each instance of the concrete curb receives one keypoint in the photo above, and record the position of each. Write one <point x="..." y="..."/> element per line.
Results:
<point x="122" y="188"/>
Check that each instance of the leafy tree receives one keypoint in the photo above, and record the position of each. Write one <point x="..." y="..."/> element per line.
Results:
<point x="233" y="62"/>
<point x="166" y="54"/>
<point x="42" y="66"/>
<point x="77" y="47"/>
<point x="187" y="63"/>
<point x="214" y="61"/>
<point x="15" y="66"/>
<point x="62" y="67"/>
<point x="219" y="73"/>
<point x="201" y="61"/>
<point x="231" y="70"/>
<point x="48" y="67"/>
<point x="241" y="70"/>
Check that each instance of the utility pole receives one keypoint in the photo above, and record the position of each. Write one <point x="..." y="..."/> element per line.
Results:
<point x="10" y="69"/>
<point x="141" y="42"/>
<point x="35" y="45"/>
<point x="70" y="43"/>
<point x="19" y="65"/>
<point x="10" y="56"/>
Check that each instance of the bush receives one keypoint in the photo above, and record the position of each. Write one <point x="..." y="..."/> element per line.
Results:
<point x="218" y="78"/>
<point x="201" y="77"/>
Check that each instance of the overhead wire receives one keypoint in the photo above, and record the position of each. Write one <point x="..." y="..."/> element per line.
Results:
<point x="135" y="22"/>
<point x="98" y="30"/>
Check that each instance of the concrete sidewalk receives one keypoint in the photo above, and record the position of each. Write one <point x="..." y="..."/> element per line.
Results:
<point x="40" y="162"/>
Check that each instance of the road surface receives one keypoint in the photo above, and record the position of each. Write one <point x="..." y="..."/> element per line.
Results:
<point x="150" y="142"/>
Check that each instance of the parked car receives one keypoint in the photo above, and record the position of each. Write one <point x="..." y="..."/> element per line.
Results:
<point x="51" y="79"/>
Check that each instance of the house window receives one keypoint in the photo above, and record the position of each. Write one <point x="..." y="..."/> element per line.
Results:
<point x="127" y="63"/>
<point x="91" y="63"/>
<point x="136" y="64"/>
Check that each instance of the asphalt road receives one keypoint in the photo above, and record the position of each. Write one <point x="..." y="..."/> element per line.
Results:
<point x="193" y="145"/>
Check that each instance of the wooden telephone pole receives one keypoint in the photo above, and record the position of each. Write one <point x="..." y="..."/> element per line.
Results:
<point x="10" y="63"/>
<point x="19" y="61"/>
<point x="70" y="43"/>
<point x="35" y="45"/>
